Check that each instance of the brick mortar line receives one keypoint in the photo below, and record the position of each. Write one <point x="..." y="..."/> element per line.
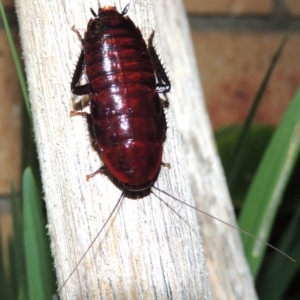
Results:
<point x="238" y="24"/>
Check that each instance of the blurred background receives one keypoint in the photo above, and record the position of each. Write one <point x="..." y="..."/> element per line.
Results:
<point x="234" y="42"/>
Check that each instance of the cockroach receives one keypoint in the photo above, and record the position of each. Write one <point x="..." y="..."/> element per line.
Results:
<point x="127" y="120"/>
<point x="126" y="117"/>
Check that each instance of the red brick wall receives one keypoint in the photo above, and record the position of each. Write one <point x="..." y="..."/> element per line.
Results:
<point x="234" y="43"/>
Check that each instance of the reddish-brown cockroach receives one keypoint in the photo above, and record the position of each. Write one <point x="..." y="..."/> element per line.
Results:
<point x="126" y="114"/>
<point x="126" y="120"/>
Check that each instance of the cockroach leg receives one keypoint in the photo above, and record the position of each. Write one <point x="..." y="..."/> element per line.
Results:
<point x="81" y="89"/>
<point x="90" y="125"/>
<point x="159" y="68"/>
<point x="101" y="170"/>
<point x="164" y="103"/>
<point x="78" y="33"/>
<point x="74" y="113"/>
<point x="166" y="165"/>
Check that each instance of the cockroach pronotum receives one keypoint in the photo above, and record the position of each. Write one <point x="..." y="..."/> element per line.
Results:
<point x="126" y="120"/>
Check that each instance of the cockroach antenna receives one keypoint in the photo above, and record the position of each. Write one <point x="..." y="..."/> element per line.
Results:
<point x="125" y="10"/>
<point x="93" y="13"/>
<point x="120" y="200"/>
<point x="230" y="225"/>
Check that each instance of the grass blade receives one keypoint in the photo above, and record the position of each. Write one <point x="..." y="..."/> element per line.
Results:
<point x="233" y="162"/>
<point x="272" y="286"/>
<point x="267" y="188"/>
<point x="39" y="267"/>
<point x="18" y="246"/>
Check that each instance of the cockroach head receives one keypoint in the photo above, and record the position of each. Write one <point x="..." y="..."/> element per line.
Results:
<point x="106" y="8"/>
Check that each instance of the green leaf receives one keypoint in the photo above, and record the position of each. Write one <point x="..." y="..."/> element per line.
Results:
<point x="18" y="246"/>
<point x="272" y="285"/>
<point x="255" y="146"/>
<point x="269" y="184"/>
<point x="39" y="267"/>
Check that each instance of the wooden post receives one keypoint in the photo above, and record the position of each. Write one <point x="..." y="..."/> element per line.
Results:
<point x="150" y="249"/>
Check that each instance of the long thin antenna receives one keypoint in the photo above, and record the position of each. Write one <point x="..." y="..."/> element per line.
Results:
<point x="88" y="249"/>
<point x="232" y="226"/>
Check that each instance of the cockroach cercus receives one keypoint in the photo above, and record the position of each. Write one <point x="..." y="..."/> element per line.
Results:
<point x="126" y="119"/>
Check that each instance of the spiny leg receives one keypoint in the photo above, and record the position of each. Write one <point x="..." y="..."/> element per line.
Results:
<point x="80" y="89"/>
<point x="159" y="68"/>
